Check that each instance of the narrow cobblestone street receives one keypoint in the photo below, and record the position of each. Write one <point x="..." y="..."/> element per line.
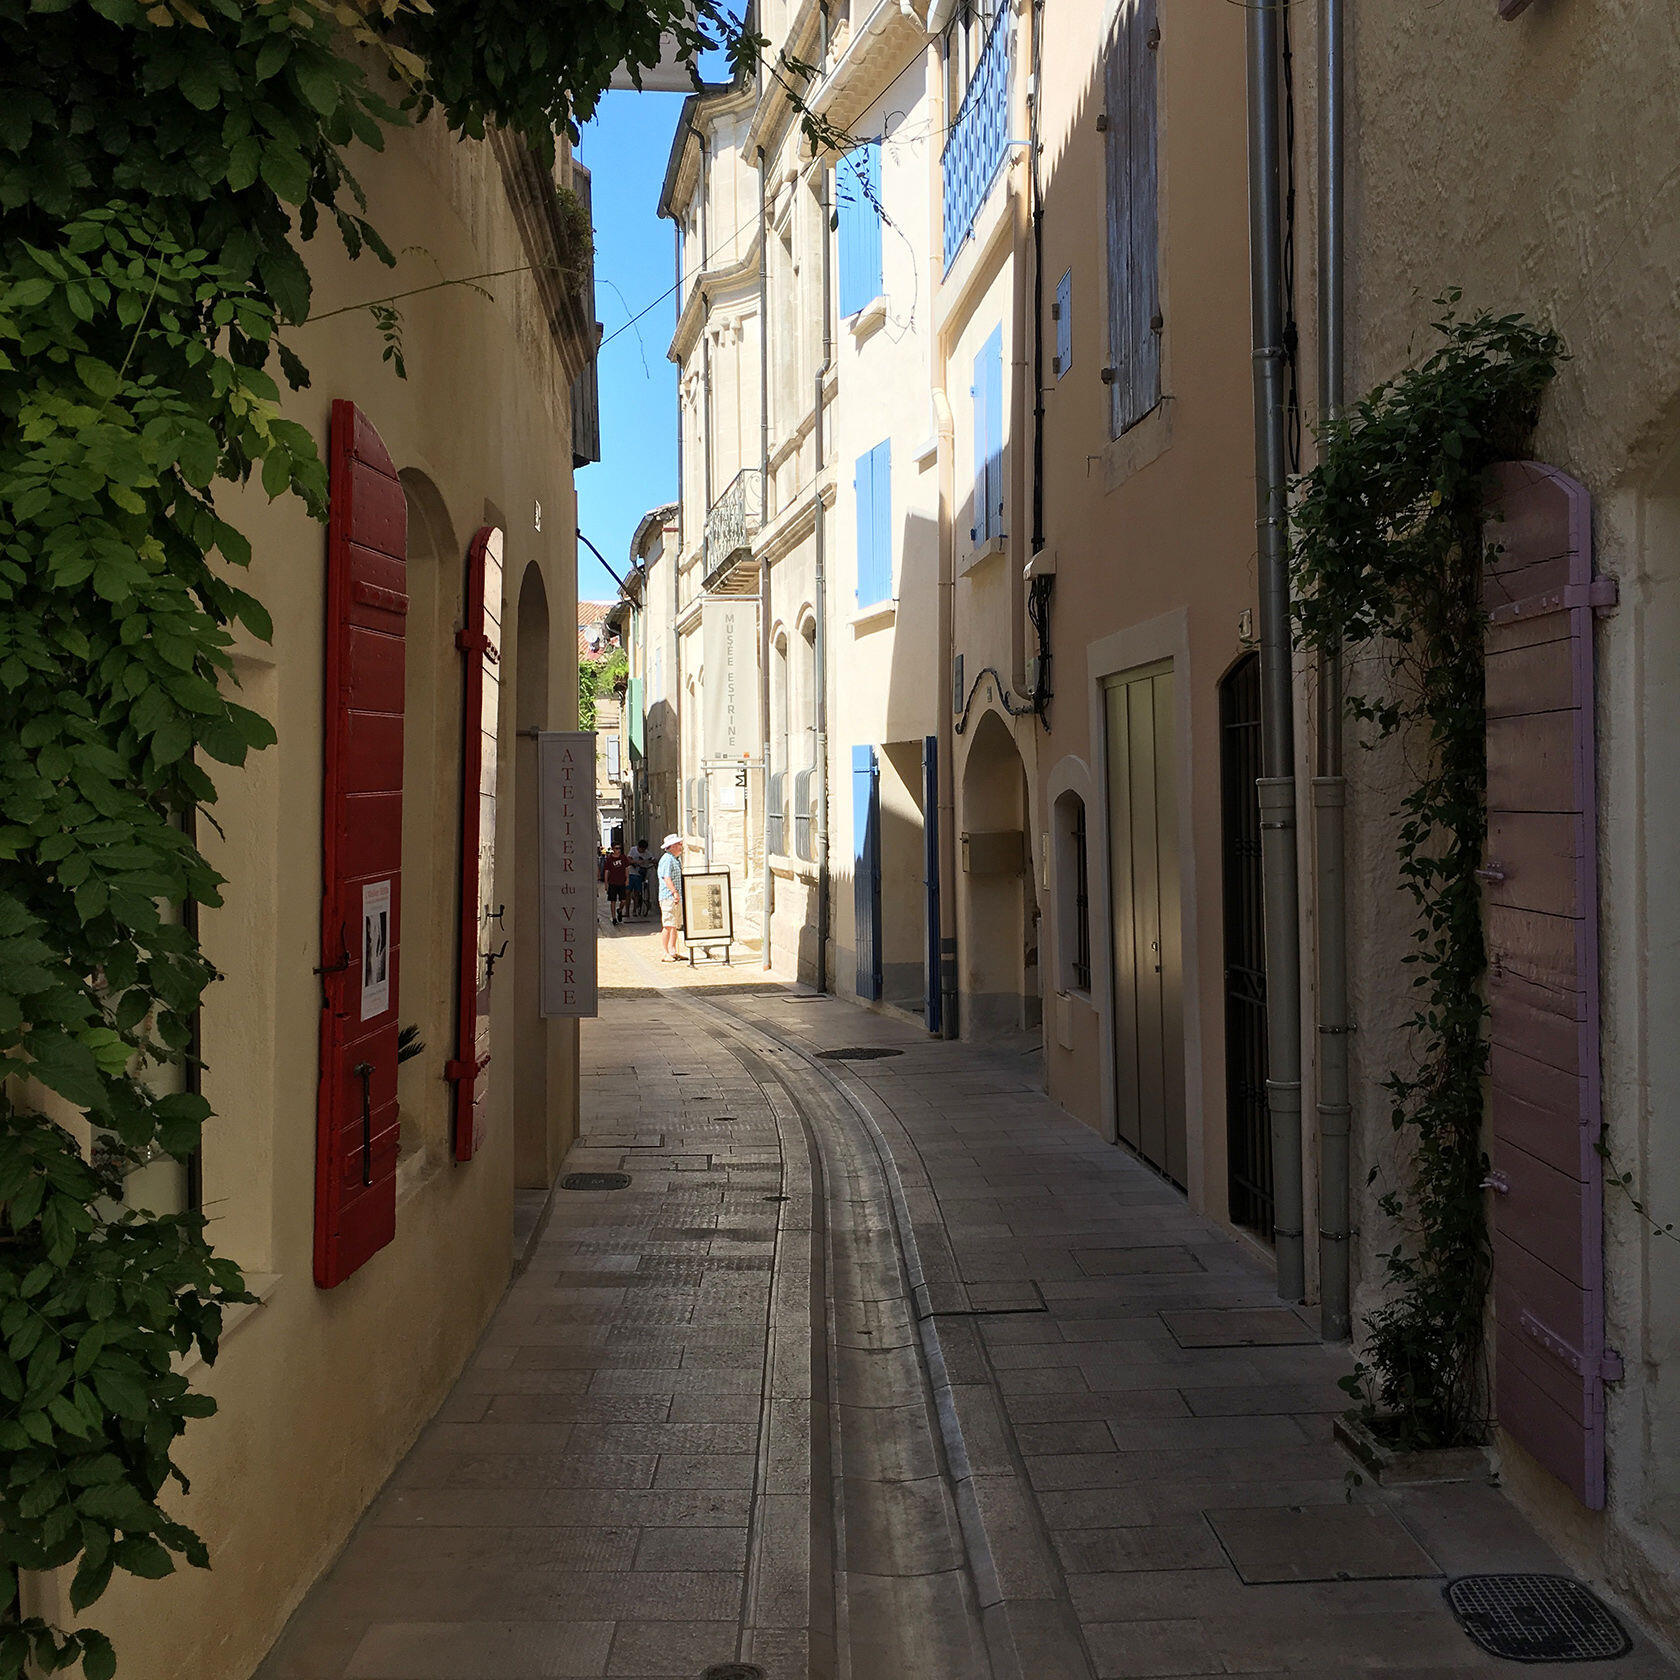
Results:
<point x="882" y="1366"/>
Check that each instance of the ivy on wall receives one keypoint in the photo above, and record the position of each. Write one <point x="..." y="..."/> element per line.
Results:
<point x="1387" y="558"/>
<point x="163" y="164"/>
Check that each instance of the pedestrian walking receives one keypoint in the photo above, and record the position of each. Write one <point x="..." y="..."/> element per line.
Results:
<point x="670" y="895"/>
<point x="641" y="869"/>
<point x="618" y="882"/>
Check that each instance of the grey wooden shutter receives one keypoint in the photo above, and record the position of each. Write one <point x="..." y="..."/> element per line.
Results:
<point x="1134" y="341"/>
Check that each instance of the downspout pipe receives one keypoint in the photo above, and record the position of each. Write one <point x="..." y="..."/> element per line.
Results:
<point x="946" y="434"/>
<point x="1335" y="1109"/>
<point x="820" y="567"/>
<point x="767" y="884"/>
<point x="705" y="331"/>
<point x="1276" y="785"/>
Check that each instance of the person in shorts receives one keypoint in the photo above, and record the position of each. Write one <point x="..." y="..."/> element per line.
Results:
<point x="670" y="895"/>
<point x="618" y="882"/>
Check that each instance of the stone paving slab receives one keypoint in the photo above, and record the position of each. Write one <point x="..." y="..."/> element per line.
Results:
<point x="1159" y="1399"/>
<point x="1071" y="1433"/>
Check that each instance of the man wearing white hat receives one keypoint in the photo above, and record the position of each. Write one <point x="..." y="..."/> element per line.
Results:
<point x="670" y="895"/>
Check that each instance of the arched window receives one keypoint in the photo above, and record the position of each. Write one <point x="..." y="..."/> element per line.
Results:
<point x="1073" y="895"/>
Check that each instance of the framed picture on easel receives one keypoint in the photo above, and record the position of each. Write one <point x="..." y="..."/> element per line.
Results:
<point x="708" y="910"/>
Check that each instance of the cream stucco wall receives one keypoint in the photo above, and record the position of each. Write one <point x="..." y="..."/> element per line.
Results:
<point x="1151" y="535"/>
<point x="1531" y="167"/>
<point x="321" y="1392"/>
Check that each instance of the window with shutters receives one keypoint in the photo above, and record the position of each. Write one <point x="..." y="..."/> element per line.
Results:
<point x="987" y="392"/>
<point x="1134" y="306"/>
<point x="1073" y="901"/>
<point x="1062" y="309"/>
<point x="873" y="484"/>
<point x="977" y="111"/>
<point x="857" y="204"/>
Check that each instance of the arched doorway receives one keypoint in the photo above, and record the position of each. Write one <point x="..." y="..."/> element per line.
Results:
<point x="999" y="931"/>
<point x="534" y="1161"/>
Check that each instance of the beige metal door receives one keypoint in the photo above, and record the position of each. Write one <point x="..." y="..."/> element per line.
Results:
<point x="1147" y="939"/>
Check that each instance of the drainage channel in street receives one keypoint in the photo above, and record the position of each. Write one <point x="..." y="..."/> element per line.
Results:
<point x="916" y="1588"/>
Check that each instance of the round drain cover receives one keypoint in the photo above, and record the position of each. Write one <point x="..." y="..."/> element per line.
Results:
<point x="594" y="1181"/>
<point x="733" y="1671"/>
<point x="859" y="1053"/>
<point x="1536" y="1618"/>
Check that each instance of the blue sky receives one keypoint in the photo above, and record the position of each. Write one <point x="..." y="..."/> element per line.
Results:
<point x="626" y="148"/>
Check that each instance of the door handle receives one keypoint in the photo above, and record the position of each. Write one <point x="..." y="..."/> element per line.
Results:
<point x="364" y="1072"/>
<point x="344" y="945"/>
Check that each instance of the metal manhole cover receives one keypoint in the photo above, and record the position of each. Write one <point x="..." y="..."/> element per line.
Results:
<point x="859" y="1053"/>
<point x="1536" y="1618"/>
<point x="733" y="1671"/>
<point x="594" y="1181"/>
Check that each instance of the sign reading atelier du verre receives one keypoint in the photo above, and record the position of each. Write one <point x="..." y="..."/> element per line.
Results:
<point x="566" y="817"/>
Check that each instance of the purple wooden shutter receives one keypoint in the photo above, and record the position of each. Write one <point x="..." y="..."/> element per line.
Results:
<point x="1540" y="870"/>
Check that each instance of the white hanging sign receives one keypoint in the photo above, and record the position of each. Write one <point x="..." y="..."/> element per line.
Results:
<point x="566" y="879"/>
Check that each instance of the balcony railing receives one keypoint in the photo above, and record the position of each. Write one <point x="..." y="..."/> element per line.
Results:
<point x="733" y="522"/>
<point x="979" y="138"/>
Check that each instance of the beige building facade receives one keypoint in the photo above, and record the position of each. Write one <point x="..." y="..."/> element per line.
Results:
<point x="321" y="1390"/>
<point x="1048" y="731"/>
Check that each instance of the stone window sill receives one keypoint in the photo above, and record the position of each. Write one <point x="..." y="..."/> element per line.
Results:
<point x="876" y="617"/>
<point x="870" y="319"/>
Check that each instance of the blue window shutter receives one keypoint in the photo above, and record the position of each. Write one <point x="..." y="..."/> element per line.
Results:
<point x="1064" y="324"/>
<point x="874" y="525"/>
<point x="881" y="454"/>
<point x="988" y="438"/>
<point x="858" y="184"/>
<point x="994" y="418"/>
<point x="866" y="870"/>
<point x="863" y="483"/>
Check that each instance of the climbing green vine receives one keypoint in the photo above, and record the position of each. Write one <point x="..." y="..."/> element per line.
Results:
<point x="1387" y="558"/>
<point x="163" y="166"/>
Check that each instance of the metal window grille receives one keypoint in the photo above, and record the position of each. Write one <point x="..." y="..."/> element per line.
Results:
<point x="979" y="138"/>
<point x="1081" y="901"/>
<point x="804" y="815"/>
<point x="775" y="814"/>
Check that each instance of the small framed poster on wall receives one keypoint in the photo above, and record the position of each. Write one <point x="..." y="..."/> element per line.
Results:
<point x="708" y="911"/>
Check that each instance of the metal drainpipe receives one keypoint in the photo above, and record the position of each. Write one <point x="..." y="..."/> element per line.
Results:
<point x="821" y="589"/>
<point x="675" y="817"/>
<point x="1276" y="785"/>
<point x="1329" y="785"/>
<point x="945" y="435"/>
<point x="767" y="885"/>
<point x="705" y="344"/>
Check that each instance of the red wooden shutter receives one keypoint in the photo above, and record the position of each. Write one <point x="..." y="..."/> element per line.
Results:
<point x="1542" y="930"/>
<point x="361" y="843"/>
<point x="481" y="940"/>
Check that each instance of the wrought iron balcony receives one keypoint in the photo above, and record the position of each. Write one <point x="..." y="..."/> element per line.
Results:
<point x="731" y="525"/>
<point x="979" y="138"/>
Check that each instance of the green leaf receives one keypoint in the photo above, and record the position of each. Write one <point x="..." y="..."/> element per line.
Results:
<point x="99" y="1660"/>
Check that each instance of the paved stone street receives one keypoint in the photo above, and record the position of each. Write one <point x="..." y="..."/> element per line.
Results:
<point x="881" y="1366"/>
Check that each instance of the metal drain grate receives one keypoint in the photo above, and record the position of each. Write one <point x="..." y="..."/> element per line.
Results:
<point x="1536" y="1618"/>
<point x="594" y="1181"/>
<point x="733" y="1671"/>
<point x="859" y="1053"/>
